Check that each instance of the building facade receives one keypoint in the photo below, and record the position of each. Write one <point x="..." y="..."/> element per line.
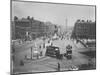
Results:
<point x="84" y="30"/>
<point x="31" y="27"/>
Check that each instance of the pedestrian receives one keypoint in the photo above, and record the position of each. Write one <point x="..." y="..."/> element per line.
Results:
<point x="37" y="56"/>
<point x="43" y="45"/>
<point x="41" y="53"/>
<point x="40" y="46"/>
<point x="25" y="56"/>
<point x="13" y="57"/>
<point x="51" y="44"/>
<point x="21" y="63"/>
<point x="13" y="49"/>
<point x="58" y="66"/>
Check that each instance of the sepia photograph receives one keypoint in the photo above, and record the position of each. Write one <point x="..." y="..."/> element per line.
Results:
<point x="52" y="37"/>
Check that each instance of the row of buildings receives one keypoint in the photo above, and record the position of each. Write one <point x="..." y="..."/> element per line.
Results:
<point x="84" y="30"/>
<point x="29" y="27"/>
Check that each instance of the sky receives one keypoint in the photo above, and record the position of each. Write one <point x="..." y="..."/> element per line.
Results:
<point x="60" y="14"/>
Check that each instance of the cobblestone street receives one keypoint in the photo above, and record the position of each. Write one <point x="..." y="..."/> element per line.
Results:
<point x="49" y="63"/>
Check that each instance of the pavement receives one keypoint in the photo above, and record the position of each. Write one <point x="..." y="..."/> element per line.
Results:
<point x="48" y="63"/>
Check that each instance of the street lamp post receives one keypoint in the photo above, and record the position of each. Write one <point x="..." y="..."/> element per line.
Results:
<point x="31" y="52"/>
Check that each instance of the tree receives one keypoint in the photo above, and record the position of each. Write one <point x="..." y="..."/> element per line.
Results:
<point x="32" y="18"/>
<point x="55" y="26"/>
<point x="15" y="18"/>
<point x="83" y="21"/>
<point x="28" y="17"/>
<point x="78" y="20"/>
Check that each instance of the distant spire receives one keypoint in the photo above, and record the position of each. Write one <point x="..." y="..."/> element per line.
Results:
<point x="66" y="23"/>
